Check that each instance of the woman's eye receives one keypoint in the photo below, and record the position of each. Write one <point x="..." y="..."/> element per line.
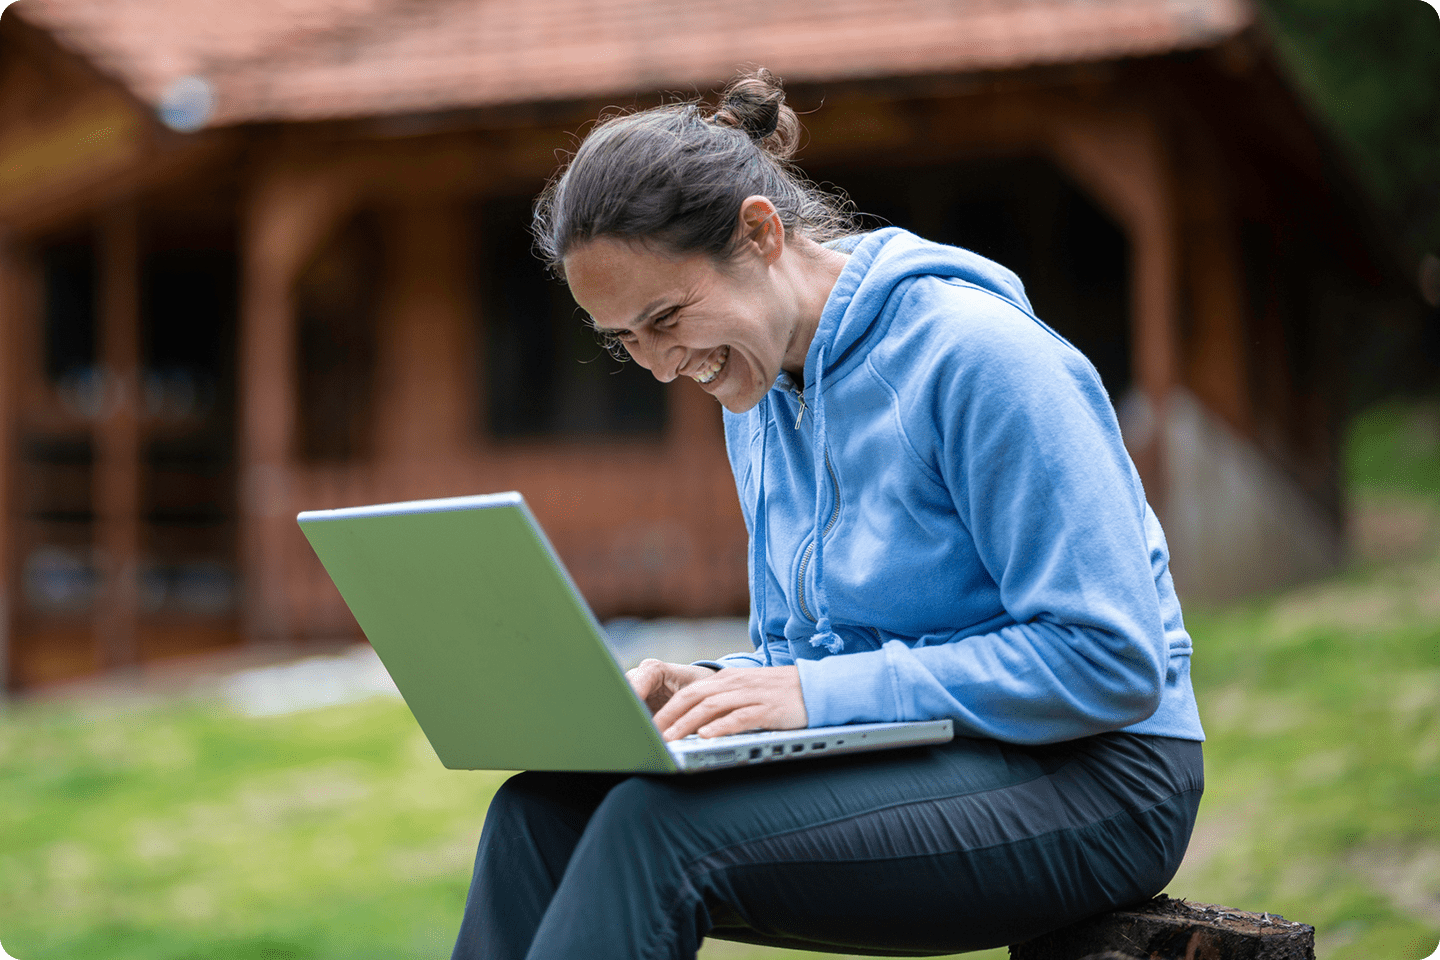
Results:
<point x="667" y="319"/>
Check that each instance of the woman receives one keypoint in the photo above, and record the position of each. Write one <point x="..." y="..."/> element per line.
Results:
<point x="943" y="523"/>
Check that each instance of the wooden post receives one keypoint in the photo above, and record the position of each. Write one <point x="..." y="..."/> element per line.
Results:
<point x="267" y="397"/>
<point x="1120" y="157"/>
<point x="117" y="439"/>
<point x="1215" y="288"/>
<point x="1167" y="929"/>
<point x="423" y="405"/>
<point x="287" y="214"/>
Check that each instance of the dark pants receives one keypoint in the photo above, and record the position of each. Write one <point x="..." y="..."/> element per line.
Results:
<point x="912" y="852"/>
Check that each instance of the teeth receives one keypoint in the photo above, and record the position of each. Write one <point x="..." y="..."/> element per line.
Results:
<point x="713" y="370"/>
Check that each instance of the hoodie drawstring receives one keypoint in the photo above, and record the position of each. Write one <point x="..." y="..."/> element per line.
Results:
<point x="759" y="564"/>
<point x="824" y="635"/>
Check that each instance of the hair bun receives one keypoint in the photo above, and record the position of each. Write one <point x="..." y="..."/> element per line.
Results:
<point x="754" y="103"/>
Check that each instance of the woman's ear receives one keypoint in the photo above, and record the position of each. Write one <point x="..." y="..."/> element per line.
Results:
<point x="761" y="228"/>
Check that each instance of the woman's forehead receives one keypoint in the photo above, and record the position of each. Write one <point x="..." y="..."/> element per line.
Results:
<point x="612" y="253"/>
<point x="616" y="281"/>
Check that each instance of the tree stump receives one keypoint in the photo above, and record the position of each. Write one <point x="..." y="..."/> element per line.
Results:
<point x="1168" y="929"/>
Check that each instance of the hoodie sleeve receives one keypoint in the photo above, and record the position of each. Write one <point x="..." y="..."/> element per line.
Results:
<point x="1025" y="440"/>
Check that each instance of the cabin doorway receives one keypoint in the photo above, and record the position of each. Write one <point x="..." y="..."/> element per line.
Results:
<point x="123" y="532"/>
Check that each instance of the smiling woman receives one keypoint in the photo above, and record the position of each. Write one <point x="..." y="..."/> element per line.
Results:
<point x="943" y="522"/>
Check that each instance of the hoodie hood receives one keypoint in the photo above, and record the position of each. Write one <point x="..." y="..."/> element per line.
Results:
<point x="881" y="261"/>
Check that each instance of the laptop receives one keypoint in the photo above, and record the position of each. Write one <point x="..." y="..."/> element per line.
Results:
<point x="501" y="660"/>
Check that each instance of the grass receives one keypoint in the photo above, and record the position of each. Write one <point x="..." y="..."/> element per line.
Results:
<point x="180" y="831"/>
<point x="1322" y="707"/>
<point x="1323" y="797"/>
<point x="187" y="832"/>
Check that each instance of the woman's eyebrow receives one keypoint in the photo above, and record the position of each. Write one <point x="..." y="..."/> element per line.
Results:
<point x="645" y="313"/>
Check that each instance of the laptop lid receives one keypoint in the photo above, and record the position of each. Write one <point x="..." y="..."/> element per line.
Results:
<point x="480" y="626"/>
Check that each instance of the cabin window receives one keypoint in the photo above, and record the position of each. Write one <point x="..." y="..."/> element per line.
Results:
<point x="69" y="270"/>
<point x="188" y="315"/>
<point x="188" y="309"/>
<point x="336" y="296"/>
<point x="544" y="371"/>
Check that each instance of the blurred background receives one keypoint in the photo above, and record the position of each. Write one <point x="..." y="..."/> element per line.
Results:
<point x="265" y="257"/>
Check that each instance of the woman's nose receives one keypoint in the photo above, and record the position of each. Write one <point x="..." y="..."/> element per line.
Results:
<point x="661" y="359"/>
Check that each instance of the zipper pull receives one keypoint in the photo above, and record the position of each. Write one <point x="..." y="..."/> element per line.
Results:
<point x="799" y="416"/>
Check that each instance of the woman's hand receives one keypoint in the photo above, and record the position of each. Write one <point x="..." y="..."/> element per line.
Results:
<point x="655" y="681"/>
<point x="733" y="700"/>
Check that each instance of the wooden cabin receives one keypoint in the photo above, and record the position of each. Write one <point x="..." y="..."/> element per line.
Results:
<point x="258" y="258"/>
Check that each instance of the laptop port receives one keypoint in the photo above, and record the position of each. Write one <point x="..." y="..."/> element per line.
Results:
<point x="818" y="746"/>
<point x="777" y="750"/>
<point x="755" y="753"/>
<point x="797" y="747"/>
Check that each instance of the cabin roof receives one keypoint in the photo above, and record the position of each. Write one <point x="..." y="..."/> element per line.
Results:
<point x="300" y="60"/>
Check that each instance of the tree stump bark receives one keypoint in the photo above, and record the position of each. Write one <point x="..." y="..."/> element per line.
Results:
<point x="1168" y="929"/>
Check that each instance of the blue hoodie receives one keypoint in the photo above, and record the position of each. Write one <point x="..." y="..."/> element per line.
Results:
<point x="945" y="522"/>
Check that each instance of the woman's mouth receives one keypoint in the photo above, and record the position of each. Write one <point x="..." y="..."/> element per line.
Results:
<point x="713" y="368"/>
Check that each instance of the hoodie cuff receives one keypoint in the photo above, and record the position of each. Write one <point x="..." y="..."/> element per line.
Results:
<point x="729" y="660"/>
<point x="848" y="688"/>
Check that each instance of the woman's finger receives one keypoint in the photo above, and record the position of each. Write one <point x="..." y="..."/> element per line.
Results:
<point x="743" y="720"/>
<point x="705" y="711"/>
<point x="682" y="701"/>
<point x="644" y="678"/>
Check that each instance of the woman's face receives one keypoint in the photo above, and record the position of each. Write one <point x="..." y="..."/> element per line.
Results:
<point x="731" y="329"/>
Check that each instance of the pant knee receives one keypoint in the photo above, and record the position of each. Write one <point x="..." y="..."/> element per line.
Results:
<point x="642" y="805"/>
<point x="513" y="803"/>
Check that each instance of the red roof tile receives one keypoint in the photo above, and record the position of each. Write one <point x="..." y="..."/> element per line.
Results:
<point x="313" y="59"/>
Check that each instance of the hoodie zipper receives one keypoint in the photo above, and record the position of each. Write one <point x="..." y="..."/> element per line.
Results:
<point x="810" y="547"/>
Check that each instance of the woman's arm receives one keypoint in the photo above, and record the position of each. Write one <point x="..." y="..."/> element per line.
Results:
<point x="1017" y="427"/>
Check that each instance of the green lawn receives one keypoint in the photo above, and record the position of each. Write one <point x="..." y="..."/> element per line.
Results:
<point x="180" y="831"/>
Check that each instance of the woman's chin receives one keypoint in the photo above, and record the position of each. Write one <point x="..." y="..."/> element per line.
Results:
<point x="737" y="401"/>
<point x="737" y="406"/>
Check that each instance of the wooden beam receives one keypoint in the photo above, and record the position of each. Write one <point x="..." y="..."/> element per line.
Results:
<point x="117" y="438"/>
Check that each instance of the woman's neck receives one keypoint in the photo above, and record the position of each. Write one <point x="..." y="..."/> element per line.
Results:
<point x="816" y="269"/>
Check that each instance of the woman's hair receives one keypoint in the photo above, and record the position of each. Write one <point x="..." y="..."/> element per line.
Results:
<point x="675" y="176"/>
